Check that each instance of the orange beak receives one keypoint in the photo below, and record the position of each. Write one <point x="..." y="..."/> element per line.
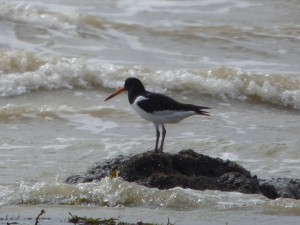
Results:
<point x="116" y="93"/>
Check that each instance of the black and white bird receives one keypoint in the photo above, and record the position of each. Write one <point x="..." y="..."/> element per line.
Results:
<point x="157" y="108"/>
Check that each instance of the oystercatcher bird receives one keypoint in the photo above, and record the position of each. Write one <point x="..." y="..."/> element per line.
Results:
<point x="157" y="108"/>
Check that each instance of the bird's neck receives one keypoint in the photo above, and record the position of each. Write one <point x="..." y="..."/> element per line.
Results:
<point x="132" y="95"/>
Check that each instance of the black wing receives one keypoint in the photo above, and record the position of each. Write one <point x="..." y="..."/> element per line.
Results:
<point x="159" y="102"/>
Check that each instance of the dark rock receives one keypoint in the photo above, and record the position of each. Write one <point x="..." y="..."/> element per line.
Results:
<point x="280" y="187"/>
<point x="188" y="169"/>
<point x="268" y="190"/>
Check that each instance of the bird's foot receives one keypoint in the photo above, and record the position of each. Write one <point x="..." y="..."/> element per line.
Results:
<point x="158" y="151"/>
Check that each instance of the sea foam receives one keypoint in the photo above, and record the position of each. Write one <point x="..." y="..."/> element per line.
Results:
<point x="22" y="73"/>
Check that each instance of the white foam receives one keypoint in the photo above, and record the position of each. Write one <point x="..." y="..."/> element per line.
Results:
<point x="89" y="123"/>
<point x="117" y="192"/>
<point x="33" y="14"/>
<point x="33" y="73"/>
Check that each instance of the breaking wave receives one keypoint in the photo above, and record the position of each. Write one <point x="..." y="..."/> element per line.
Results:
<point x="23" y="72"/>
<point x="117" y="193"/>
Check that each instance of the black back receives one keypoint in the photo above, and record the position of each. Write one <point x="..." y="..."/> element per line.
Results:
<point x="159" y="102"/>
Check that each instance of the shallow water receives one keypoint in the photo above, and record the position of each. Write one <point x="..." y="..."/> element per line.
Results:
<point x="58" y="62"/>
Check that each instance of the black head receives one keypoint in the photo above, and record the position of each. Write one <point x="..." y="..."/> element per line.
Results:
<point x="133" y="84"/>
<point x="134" y="87"/>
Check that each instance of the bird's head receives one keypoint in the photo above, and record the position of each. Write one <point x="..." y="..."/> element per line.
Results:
<point x="131" y="85"/>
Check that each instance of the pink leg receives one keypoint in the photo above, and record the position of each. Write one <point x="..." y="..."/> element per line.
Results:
<point x="157" y="139"/>
<point x="164" y="131"/>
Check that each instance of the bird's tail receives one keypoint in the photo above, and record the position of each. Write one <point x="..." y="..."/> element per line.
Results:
<point x="200" y="111"/>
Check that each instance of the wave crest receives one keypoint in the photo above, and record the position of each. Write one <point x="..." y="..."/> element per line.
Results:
<point x="25" y="72"/>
